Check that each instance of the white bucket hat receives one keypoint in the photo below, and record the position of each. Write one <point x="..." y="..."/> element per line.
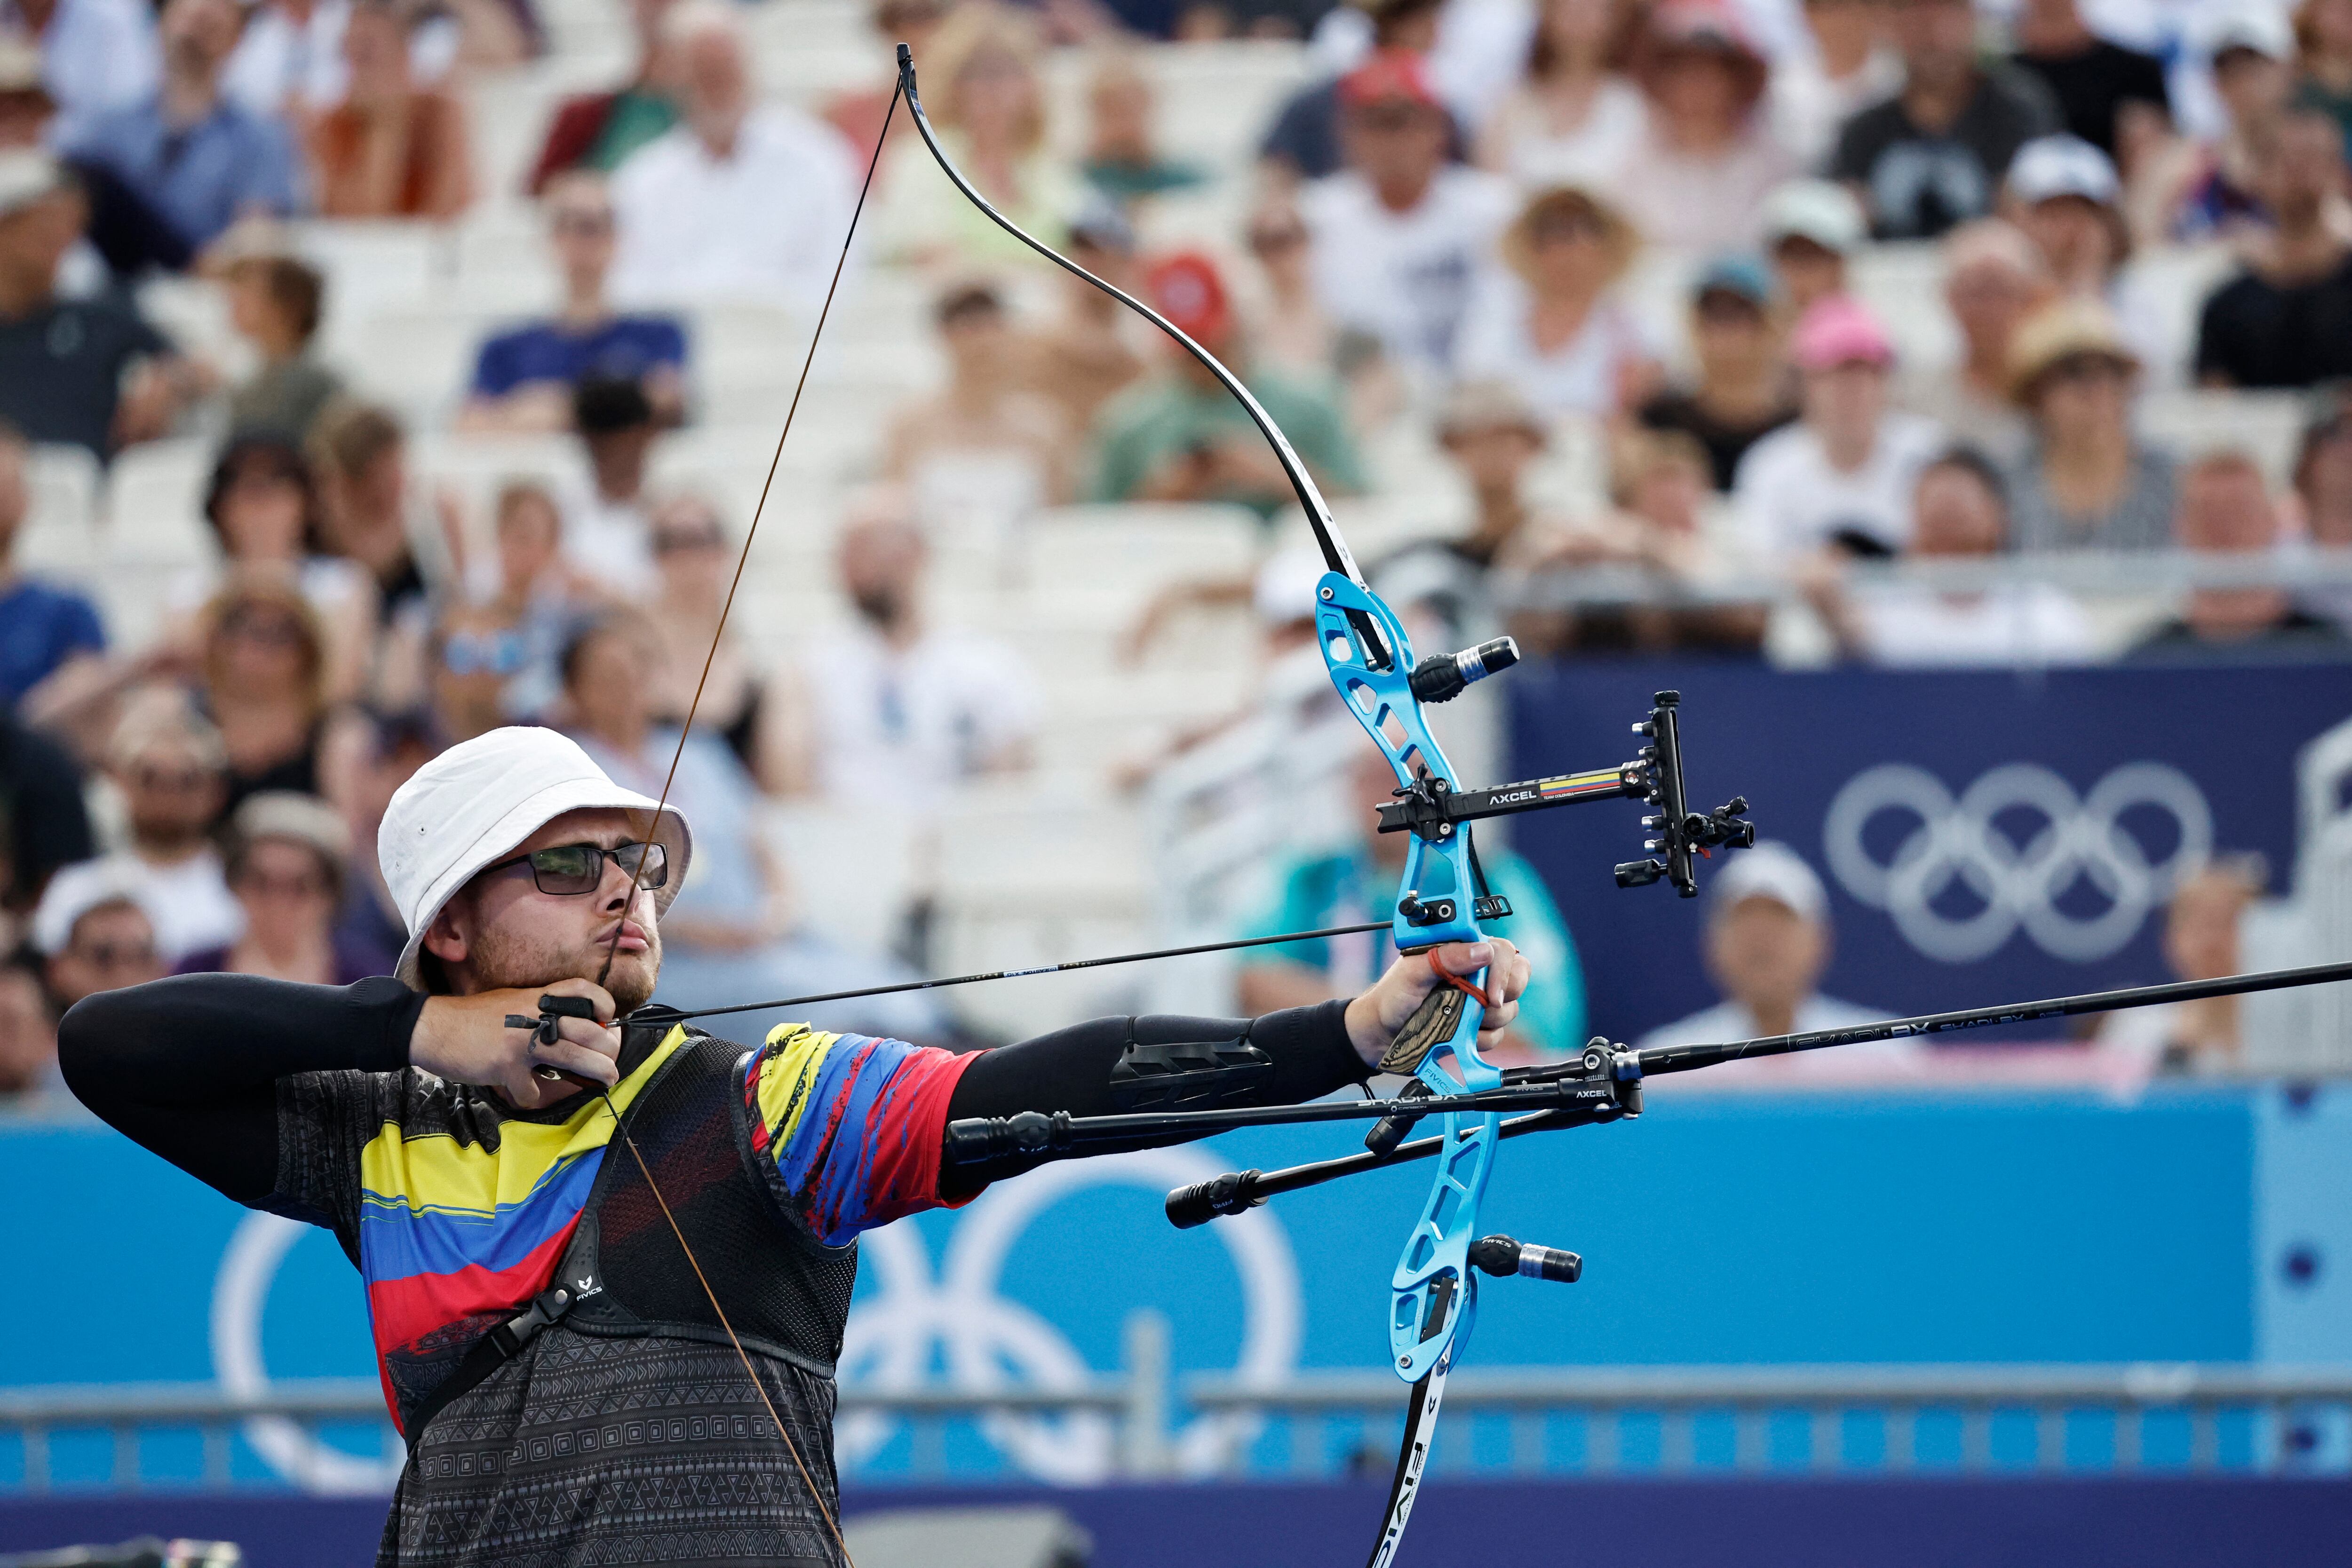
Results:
<point x="1772" y="870"/>
<point x="472" y="805"/>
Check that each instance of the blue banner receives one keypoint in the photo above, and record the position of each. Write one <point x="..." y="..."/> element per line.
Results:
<point x="1984" y="836"/>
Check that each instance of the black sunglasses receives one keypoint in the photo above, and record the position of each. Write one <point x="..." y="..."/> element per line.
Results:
<point x="579" y="868"/>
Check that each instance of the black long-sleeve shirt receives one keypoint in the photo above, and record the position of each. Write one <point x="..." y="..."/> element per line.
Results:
<point x="189" y="1067"/>
<point x="455" y="1207"/>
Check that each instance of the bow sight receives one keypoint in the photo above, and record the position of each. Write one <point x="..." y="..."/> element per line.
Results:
<point x="1430" y="809"/>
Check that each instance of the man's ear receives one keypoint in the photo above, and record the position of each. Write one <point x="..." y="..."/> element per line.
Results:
<point x="450" y="936"/>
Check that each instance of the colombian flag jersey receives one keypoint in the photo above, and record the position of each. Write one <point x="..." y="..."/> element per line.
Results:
<point x="458" y="1208"/>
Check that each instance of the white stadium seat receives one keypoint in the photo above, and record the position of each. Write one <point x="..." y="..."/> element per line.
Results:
<point x="60" y="534"/>
<point x="154" y="506"/>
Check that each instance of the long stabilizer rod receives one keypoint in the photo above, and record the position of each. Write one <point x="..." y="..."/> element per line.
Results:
<point x="1687" y="1059"/>
<point x="1241" y="1190"/>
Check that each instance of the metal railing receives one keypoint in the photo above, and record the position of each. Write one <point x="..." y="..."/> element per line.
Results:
<point x="1525" y="1421"/>
<point x="1847" y="1418"/>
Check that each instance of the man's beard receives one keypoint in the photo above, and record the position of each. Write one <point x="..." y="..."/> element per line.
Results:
<point x="507" y="959"/>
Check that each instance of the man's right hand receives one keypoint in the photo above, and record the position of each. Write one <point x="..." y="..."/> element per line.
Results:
<point x="465" y="1039"/>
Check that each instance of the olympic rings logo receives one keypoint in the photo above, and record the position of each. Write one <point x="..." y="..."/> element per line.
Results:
<point x="1961" y="852"/>
<point x="987" y="1342"/>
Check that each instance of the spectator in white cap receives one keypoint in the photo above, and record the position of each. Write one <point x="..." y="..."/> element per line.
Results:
<point x="2064" y="193"/>
<point x="96" y="933"/>
<point x="2197" y="189"/>
<point x="287" y="857"/>
<point x="1842" y="476"/>
<point x="1811" y="228"/>
<point x="171" y="772"/>
<point x="461" y="1144"/>
<point x="1767" y="944"/>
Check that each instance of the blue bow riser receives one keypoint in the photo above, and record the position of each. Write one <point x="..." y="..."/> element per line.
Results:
<point x="1434" y="1294"/>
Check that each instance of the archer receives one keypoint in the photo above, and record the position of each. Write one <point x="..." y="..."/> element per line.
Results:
<point x="558" y="1330"/>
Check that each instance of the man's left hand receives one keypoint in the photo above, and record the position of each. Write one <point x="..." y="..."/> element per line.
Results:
<point x="1374" y="1017"/>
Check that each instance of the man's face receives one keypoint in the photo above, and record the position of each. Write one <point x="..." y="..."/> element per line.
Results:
<point x="34" y="239"/>
<point x="881" y="562"/>
<point x="112" y="946"/>
<point x="1730" y="333"/>
<point x="2253" y="86"/>
<point x="718" y="85"/>
<point x="2307" y="168"/>
<point x="1988" y="300"/>
<point x="1493" y="457"/>
<point x="1766" y="954"/>
<point x="198" y="35"/>
<point x="580" y="221"/>
<point x="501" y="931"/>
<point x="1937" y="37"/>
<point x="170" y="794"/>
<point x="1397" y="144"/>
<point x="286" y="891"/>
<point x="1955" y="515"/>
<point x="2072" y="231"/>
<point x="2227" y="510"/>
<point x="1808" y="271"/>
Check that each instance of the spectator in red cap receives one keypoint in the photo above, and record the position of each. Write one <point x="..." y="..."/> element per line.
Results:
<point x="1303" y="143"/>
<point x="1400" y="233"/>
<point x="1697" y="179"/>
<point x="1179" y="436"/>
<point x="1843" y="476"/>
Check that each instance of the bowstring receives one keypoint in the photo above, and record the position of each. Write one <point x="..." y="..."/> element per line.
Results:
<point x="637" y="881"/>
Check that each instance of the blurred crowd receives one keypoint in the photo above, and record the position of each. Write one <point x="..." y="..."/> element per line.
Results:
<point x="1448" y="239"/>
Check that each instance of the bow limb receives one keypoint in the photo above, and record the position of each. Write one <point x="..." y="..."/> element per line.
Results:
<point x="1335" y="555"/>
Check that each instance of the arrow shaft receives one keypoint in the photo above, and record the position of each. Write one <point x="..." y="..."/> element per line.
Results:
<point x="1064" y="968"/>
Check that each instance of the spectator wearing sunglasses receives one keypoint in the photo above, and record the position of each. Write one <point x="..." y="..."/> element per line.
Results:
<point x="524" y="378"/>
<point x="286" y="864"/>
<point x="168" y="765"/>
<point x="96" y="934"/>
<point x="262" y="662"/>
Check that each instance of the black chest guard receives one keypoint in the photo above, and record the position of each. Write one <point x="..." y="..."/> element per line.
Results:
<point x="625" y="1276"/>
